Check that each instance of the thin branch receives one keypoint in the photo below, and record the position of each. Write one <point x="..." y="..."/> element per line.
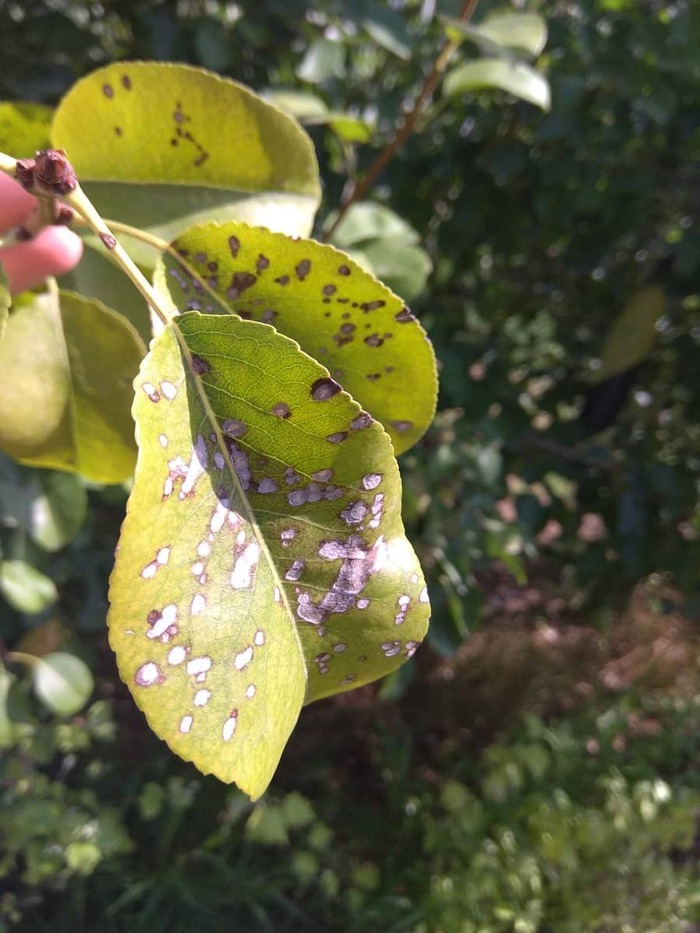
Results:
<point x="359" y="190"/>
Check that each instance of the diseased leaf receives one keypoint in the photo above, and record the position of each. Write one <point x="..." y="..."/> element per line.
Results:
<point x="167" y="146"/>
<point x="516" y="78"/>
<point x="66" y="366"/>
<point x="262" y="563"/>
<point x="24" y="128"/>
<point x="62" y="682"/>
<point x="338" y="313"/>
<point x="7" y="732"/>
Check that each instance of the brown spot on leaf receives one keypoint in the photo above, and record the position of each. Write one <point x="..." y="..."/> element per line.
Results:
<point x="232" y="427"/>
<point x="323" y="389"/>
<point x="404" y="316"/>
<point x="329" y="289"/>
<point x="302" y="269"/>
<point x="374" y="340"/>
<point x="283" y="280"/>
<point x="108" y="91"/>
<point x="234" y="245"/>
<point x="401" y="426"/>
<point x="126" y="82"/>
<point x="117" y="131"/>
<point x="108" y="240"/>
<point x="343" y="270"/>
<point x="200" y="365"/>
<point x="262" y="263"/>
<point x="337" y="438"/>
<point x="281" y="409"/>
<point x="372" y="305"/>
<point x="239" y="282"/>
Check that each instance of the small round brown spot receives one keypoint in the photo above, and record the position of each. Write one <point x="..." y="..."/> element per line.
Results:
<point x="234" y="245"/>
<point x="323" y="389"/>
<point x="281" y="410"/>
<point x="108" y="91"/>
<point x="232" y="427"/>
<point x="402" y="426"/>
<point x="343" y="270"/>
<point x="337" y="438"/>
<point x="283" y="280"/>
<point x="302" y="269"/>
<point x="126" y="82"/>
<point x="117" y="131"/>
<point x="404" y="316"/>
<point x="262" y="263"/>
<point x="329" y="290"/>
<point x="200" y="365"/>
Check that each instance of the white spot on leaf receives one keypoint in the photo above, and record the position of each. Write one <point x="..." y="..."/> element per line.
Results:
<point x="168" y="390"/>
<point x="243" y="659"/>
<point x="259" y="638"/>
<point x="201" y="697"/>
<point x="230" y="726"/>
<point x="177" y="655"/>
<point x="199" y="603"/>
<point x="245" y="567"/>
<point x="186" y="723"/>
<point x="198" y="666"/>
<point x="148" y="674"/>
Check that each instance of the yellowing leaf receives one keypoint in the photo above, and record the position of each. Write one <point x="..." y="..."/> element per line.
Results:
<point x="633" y="333"/>
<point x="262" y="563"/>
<point x="24" y="128"/>
<point x="338" y="313"/>
<point x="66" y="365"/>
<point x="167" y="145"/>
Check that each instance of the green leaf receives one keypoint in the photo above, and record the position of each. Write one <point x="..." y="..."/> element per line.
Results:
<point x="26" y="588"/>
<point x="62" y="682"/>
<point x="7" y="732"/>
<point x="262" y="563"/>
<point x="516" y="78"/>
<point x="298" y="104"/>
<point x="388" y="29"/>
<point x="525" y="32"/>
<point x="158" y="152"/>
<point x="66" y="366"/>
<point x="24" y="128"/>
<point x="633" y="333"/>
<point x="338" y="313"/>
<point x="367" y="221"/>
<point x="49" y="506"/>
<point x="323" y="61"/>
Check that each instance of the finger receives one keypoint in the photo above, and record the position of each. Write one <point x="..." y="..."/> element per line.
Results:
<point x="52" y="252"/>
<point x="15" y="203"/>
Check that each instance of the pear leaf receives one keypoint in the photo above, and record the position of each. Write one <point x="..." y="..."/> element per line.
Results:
<point x="337" y="312"/>
<point x="262" y="563"/>
<point x="169" y="145"/>
<point x="66" y="367"/>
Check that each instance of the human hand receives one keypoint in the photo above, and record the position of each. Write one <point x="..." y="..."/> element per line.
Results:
<point x="53" y="251"/>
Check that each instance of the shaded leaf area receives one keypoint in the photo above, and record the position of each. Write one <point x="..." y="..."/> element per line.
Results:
<point x="62" y="682"/>
<point x="66" y="367"/>
<point x="632" y="334"/>
<point x="25" y="588"/>
<point x="24" y="128"/>
<point x="50" y="506"/>
<point x="386" y="245"/>
<point x="263" y="562"/>
<point x="169" y="145"/>
<point x="339" y="314"/>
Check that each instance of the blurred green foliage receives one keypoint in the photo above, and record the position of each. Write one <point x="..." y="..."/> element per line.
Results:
<point x="519" y="237"/>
